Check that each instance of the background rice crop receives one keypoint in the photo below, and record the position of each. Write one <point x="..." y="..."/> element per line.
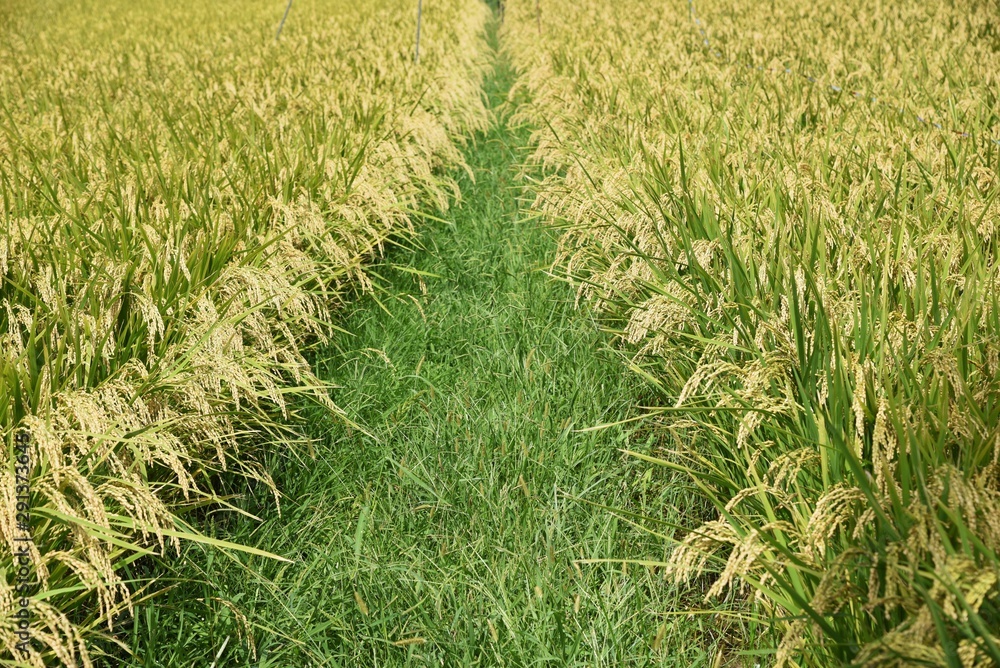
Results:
<point x="789" y="213"/>
<point x="184" y="200"/>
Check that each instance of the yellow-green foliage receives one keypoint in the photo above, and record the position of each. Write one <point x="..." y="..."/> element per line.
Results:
<point x="182" y="201"/>
<point x="801" y="245"/>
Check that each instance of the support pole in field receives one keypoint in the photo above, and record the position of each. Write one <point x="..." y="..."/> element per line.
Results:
<point x="282" y="24"/>
<point x="538" y="15"/>
<point x="420" y="13"/>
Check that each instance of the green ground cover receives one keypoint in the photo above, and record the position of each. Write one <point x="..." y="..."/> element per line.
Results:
<point x="454" y="527"/>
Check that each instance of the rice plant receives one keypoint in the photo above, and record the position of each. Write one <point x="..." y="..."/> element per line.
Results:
<point x="184" y="201"/>
<point x="789" y="213"/>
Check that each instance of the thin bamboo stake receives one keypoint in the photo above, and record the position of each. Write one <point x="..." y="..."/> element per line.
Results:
<point x="282" y="24"/>
<point x="420" y="12"/>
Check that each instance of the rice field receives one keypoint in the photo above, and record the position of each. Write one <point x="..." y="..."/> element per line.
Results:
<point x="788" y="211"/>
<point x="633" y="333"/>
<point x="185" y="201"/>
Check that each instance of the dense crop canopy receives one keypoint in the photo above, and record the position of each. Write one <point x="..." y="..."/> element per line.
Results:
<point x="792" y="210"/>
<point x="183" y="198"/>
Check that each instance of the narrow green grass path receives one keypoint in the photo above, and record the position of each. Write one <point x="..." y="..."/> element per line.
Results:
<point x="450" y="535"/>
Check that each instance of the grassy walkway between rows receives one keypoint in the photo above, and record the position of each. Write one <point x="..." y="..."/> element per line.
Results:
<point x="452" y="533"/>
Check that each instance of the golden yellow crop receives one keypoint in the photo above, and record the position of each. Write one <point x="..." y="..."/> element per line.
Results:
<point x="184" y="199"/>
<point x="791" y="209"/>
